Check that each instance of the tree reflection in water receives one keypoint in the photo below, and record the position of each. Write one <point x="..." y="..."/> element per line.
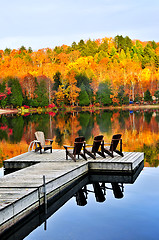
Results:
<point x="139" y="130"/>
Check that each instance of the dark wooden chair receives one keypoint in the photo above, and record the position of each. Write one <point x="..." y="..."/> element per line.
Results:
<point x="73" y="151"/>
<point x="41" y="142"/>
<point x="116" y="139"/>
<point x="97" y="147"/>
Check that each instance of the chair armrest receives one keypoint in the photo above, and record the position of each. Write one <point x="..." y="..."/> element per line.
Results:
<point x="66" y="146"/>
<point x="88" y="145"/>
<point x="38" y="142"/>
<point x="107" y="143"/>
<point x="51" y="141"/>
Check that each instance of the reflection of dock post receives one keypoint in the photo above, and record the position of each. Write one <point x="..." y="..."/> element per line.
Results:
<point x="45" y="201"/>
<point x="45" y="197"/>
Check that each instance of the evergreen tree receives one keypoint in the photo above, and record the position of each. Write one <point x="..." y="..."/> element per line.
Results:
<point x="123" y="43"/>
<point x="57" y="81"/>
<point x="41" y="98"/>
<point x="157" y="94"/>
<point x="103" y="93"/>
<point x="81" y="46"/>
<point x="147" y="96"/>
<point x="83" y="97"/>
<point x="74" y="46"/>
<point x="123" y="98"/>
<point x="103" y="46"/>
<point x="7" y="51"/>
<point x="91" y="48"/>
<point x="83" y="79"/>
<point x="16" y="96"/>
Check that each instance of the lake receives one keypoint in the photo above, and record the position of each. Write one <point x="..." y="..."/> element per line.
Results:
<point x="135" y="215"/>
<point x="139" y="130"/>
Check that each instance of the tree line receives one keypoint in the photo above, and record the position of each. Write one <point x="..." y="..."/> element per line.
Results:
<point x="102" y="72"/>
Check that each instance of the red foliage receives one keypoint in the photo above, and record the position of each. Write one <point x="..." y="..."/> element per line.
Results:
<point x="25" y="106"/>
<point x="51" y="105"/>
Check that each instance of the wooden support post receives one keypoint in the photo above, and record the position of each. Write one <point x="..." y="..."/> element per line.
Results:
<point x="45" y="197"/>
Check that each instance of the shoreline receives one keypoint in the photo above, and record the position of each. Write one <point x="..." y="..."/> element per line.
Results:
<point x="128" y="107"/>
<point x="8" y="111"/>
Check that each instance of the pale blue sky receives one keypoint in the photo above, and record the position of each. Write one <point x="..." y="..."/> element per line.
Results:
<point x="49" y="23"/>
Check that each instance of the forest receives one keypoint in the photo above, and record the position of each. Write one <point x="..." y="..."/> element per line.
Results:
<point x="101" y="72"/>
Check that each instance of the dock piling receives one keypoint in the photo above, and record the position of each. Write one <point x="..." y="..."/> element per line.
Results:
<point x="45" y="196"/>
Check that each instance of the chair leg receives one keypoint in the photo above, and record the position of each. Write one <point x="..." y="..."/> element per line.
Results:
<point x="72" y="156"/>
<point x="40" y="150"/>
<point x="118" y="152"/>
<point x="83" y="155"/>
<point x="66" y="155"/>
<point x="109" y="153"/>
<point x="90" y="154"/>
<point x="101" y="154"/>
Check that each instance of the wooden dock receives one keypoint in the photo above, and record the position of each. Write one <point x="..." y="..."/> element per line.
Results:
<point x="23" y="191"/>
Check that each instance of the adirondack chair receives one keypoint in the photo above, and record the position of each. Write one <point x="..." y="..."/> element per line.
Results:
<point x="113" y="146"/>
<point x="41" y="142"/>
<point x="73" y="151"/>
<point x="97" y="143"/>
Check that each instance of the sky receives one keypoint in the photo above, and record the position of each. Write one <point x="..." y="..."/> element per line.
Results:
<point x="49" y="23"/>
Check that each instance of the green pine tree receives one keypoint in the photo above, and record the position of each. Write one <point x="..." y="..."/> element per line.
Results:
<point x="103" y="93"/>
<point x="16" y="97"/>
<point x="83" y="96"/>
<point x="147" y="96"/>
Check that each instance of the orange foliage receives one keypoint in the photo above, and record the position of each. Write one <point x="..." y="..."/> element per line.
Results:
<point x="11" y="150"/>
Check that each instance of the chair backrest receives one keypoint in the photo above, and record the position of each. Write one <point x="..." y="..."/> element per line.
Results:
<point x="40" y="137"/>
<point x="96" y="143"/>
<point x="78" y="144"/>
<point x="115" y="140"/>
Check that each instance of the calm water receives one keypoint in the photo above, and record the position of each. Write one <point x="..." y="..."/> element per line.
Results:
<point x="135" y="216"/>
<point x="139" y="130"/>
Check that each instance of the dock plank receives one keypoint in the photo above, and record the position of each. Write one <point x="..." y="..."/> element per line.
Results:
<point x="22" y="189"/>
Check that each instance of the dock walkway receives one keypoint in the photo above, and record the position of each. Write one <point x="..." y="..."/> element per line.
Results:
<point x="23" y="191"/>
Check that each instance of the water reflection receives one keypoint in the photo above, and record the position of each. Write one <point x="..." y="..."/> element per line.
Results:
<point x="139" y="130"/>
<point x="99" y="191"/>
<point x="95" y="183"/>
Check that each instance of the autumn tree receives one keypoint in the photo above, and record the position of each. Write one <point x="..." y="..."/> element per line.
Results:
<point x="61" y="96"/>
<point x="28" y="86"/>
<point x="73" y="90"/>
<point x="5" y="91"/>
